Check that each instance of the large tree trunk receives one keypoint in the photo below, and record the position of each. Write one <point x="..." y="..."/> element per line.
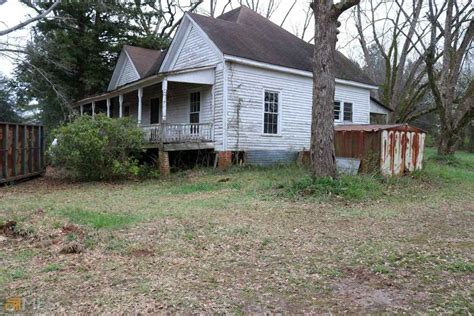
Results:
<point x="447" y="142"/>
<point x="326" y="13"/>
<point x="323" y="157"/>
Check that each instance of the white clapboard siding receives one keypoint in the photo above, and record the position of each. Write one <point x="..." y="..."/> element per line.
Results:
<point x="245" y="108"/>
<point x="195" y="51"/>
<point x="127" y="73"/>
<point x="178" y="105"/>
<point x="218" y="107"/>
<point x="378" y="109"/>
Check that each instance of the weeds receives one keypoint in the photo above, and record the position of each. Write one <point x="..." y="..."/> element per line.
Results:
<point x="347" y="187"/>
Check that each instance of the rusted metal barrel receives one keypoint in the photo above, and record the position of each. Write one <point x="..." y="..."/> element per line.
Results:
<point x="22" y="151"/>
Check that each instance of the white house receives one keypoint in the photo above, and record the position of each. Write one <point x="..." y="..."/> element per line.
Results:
<point x="233" y="84"/>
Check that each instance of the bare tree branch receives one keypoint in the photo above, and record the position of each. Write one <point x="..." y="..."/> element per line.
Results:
<point x="31" y="20"/>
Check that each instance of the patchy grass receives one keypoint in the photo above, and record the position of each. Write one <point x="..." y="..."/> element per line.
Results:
<point x="249" y="240"/>
<point x="97" y="219"/>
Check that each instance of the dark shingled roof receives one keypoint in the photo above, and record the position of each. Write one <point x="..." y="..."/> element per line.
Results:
<point x="147" y="61"/>
<point x="245" y="33"/>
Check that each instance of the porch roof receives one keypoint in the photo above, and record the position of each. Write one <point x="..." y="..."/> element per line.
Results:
<point x="197" y="75"/>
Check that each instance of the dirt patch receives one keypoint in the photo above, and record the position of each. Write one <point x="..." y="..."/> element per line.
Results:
<point x="141" y="253"/>
<point x="371" y="291"/>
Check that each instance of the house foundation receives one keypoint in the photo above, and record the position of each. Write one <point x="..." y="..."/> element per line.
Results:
<point x="224" y="159"/>
<point x="164" y="163"/>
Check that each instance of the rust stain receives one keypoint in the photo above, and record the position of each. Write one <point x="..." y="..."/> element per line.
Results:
<point x="398" y="149"/>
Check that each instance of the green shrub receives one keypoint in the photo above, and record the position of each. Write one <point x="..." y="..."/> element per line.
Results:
<point x="98" y="148"/>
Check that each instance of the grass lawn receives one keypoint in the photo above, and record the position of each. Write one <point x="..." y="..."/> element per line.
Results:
<point x="246" y="240"/>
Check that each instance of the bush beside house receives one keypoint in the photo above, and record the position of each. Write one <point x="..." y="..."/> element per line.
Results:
<point x="98" y="148"/>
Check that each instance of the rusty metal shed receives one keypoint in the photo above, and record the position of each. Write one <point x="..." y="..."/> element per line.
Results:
<point x="389" y="149"/>
<point x="21" y="151"/>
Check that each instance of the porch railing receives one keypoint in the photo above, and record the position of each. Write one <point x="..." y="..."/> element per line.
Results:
<point x="178" y="132"/>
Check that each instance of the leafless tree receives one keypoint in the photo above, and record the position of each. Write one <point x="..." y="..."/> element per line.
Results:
<point x="395" y="33"/>
<point x="266" y="8"/>
<point x="40" y="15"/>
<point x="326" y="14"/>
<point x="455" y="108"/>
<point x="161" y="17"/>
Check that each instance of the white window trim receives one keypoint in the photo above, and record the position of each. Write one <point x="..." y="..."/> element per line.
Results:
<point x="280" y="112"/>
<point x="352" y="111"/>
<point x="191" y="91"/>
<point x="341" y="112"/>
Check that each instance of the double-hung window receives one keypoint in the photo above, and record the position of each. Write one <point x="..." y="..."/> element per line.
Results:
<point x="347" y="112"/>
<point x="271" y="112"/>
<point x="343" y="111"/>
<point x="195" y="109"/>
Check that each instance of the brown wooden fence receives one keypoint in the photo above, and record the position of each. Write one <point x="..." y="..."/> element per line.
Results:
<point x="22" y="148"/>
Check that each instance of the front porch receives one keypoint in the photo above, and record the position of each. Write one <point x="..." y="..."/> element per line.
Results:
<point x="175" y="110"/>
<point x="179" y="136"/>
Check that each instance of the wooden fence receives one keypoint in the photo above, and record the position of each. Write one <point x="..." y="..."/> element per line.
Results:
<point x="22" y="148"/>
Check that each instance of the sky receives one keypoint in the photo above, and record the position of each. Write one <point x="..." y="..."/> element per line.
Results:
<point x="13" y="12"/>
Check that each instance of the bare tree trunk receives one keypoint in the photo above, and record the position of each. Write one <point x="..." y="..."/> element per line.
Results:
<point x="323" y="157"/>
<point x="447" y="142"/>
<point x="455" y="112"/>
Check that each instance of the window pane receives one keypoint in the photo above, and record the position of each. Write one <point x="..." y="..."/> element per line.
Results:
<point x="194" y="118"/>
<point x="270" y="117"/>
<point x="347" y="112"/>
<point x="337" y="110"/>
<point x="195" y="107"/>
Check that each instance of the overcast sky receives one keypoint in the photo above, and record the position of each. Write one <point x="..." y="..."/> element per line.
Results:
<point x="12" y="12"/>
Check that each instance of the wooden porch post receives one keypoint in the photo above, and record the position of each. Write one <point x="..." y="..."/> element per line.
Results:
<point x="140" y="96"/>
<point x="164" y="88"/>
<point x="163" y="156"/>
<point x="93" y="109"/>
<point x="108" y="107"/>
<point x="120" y="105"/>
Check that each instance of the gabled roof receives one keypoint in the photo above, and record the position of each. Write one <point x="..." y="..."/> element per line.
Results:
<point x="245" y="33"/>
<point x="145" y="60"/>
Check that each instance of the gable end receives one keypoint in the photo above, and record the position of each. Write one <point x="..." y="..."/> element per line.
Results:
<point x="124" y="72"/>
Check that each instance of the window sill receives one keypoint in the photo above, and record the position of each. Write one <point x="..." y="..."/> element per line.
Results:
<point x="271" y="135"/>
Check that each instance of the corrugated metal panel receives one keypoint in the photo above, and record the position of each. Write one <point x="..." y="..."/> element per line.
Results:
<point x="391" y="149"/>
<point x="269" y="157"/>
<point x="21" y="151"/>
<point x="401" y="152"/>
